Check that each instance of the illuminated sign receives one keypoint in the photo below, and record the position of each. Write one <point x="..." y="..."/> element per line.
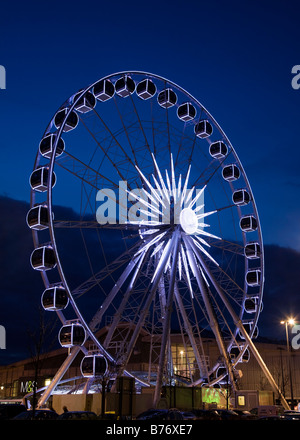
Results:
<point x="214" y="396"/>
<point x="28" y="386"/>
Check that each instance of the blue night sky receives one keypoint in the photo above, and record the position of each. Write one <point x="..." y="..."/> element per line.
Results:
<point x="235" y="57"/>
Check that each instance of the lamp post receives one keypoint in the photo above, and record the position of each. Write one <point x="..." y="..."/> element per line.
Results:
<point x="287" y="322"/>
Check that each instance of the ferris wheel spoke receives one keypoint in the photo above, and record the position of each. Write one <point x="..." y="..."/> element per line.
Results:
<point x="228" y="246"/>
<point x="210" y="171"/>
<point x="84" y="171"/>
<point x="92" y="224"/>
<point x="120" y="147"/>
<point x="105" y="272"/>
<point x="135" y="265"/>
<point x="141" y="126"/>
<point x="217" y="268"/>
<point x="96" y="320"/>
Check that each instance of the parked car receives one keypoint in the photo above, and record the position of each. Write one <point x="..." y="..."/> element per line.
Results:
<point x="227" y="414"/>
<point x="245" y="415"/>
<point x="10" y="410"/>
<point x="161" y="414"/>
<point x="77" y="415"/>
<point x="188" y="415"/>
<point x="149" y="414"/>
<point x="206" y="414"/>
<point x="267" y="411"/>
<point x="291" y="415"/>
<point x="38" y="414"/>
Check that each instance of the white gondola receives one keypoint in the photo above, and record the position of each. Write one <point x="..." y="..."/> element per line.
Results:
<point x="72" y="334"/>
<point x="104" y="90"/>
<point x="248" y="223"/>
<point x="251" y="304"/>
<point x="55" y="298"/>
<point x="146" y="89"/>
<point x="221" y="371"/>
<point x="86" y="103"/>
<point x="241" y="197"/>
<point x="231" y="173"/>
<point x="39" y="179"/>
<point x="218" y="150"/>
<point x="186" y="112"/>
<point x="37" y="218"/>
<point x="94" y="365"/>
<point x="252" y="250"/>
<point x="124" y="86"/>
<point x="235" y="352"/>
<point x="43" y="258"/>
<point x="70" y="123"/>
<point x="248" y="325"/>
<point x="47" y="144"/>
<point x="203" y="129"/>
<point x="253" y="277"/>
<point x="167" y="98"/>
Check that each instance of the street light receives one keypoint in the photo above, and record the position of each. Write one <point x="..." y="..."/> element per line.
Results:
<point x="287" y="322"/>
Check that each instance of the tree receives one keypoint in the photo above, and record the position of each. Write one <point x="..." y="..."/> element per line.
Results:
<point x="40" y="342"/>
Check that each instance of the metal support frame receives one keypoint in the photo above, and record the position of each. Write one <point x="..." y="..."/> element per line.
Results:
<point x="213" y="322"/>
<point x="167" y="319"/>
<point x="239" y="324"/>
<point x="60" y="373"/>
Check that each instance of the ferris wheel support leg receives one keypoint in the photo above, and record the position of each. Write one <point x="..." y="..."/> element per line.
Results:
<point x="166" y="326"/>
<point x="211" y="315"/>
<point x="168" y="249"/>
<point x="188" y="329"/>
<point x="248" y="339"/>
<point x="60" y="373"/>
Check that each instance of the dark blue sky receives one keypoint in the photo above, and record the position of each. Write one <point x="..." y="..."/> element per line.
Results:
<point x="234" y="57"/>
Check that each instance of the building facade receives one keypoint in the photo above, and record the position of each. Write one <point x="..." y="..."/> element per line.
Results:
<point x="20" y="378"/>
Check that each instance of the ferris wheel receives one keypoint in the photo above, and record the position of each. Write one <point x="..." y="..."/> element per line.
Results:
<point x="144" y="224"/>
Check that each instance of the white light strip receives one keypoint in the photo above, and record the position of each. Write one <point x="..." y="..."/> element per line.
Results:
<point x="186" y="268"/>
<point x="196" y="198"/>
<point x="161" y="179"/>
<point x="204" y="251"/>
<point x="166" y="249"/>
<point x="151" y="242"/>
<point x="149" y="184"/>
<point x="200" y="232"/>
<point x="173" y="179"/>
<point x="141" y="200"/>
<point x="185" y="186"/>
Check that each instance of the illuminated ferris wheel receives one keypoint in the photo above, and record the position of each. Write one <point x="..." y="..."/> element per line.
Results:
<point x="144" y="223"/>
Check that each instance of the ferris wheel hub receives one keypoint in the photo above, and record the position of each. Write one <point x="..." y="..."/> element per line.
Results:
<point x="188" y="221"/>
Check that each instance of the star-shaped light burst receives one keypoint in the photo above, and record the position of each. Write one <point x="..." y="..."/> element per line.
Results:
<point x="167" y="207"/>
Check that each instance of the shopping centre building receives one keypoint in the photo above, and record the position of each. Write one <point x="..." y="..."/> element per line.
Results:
<point x="19" y="379"/>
